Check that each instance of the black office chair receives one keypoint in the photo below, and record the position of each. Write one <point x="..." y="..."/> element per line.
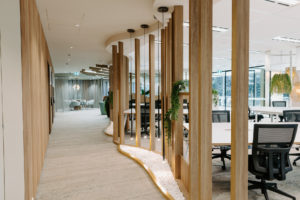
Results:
<point x="292" y="116"/>
<point x="219" y="116"/>
<point x="131" y="102"/>
<point x="252" y="116"/>
<point x="145" y="118"/>
<point x="279" y="104"/>
<point x="157" y="104"/>
<point x="270" y="156"/>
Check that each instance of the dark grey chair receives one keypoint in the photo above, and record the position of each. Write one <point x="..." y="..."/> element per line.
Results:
<point x="292" y="116"/>
<point x="270" y="156"/>
<point x="251" y="116"/>
<point x="279" y="104"/>
<point x="219" y="116"/>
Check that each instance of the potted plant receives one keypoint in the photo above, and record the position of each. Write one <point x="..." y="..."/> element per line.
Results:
<point x="281" y="84"/>
<point x="215" y="98"/>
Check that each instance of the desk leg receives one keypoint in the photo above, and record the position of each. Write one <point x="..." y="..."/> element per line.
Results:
<point x="272" y="117"/>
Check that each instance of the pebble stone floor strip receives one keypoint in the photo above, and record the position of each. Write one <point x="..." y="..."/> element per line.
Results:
<point x="159" y="168"/>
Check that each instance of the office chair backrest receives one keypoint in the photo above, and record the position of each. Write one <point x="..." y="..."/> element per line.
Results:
<point x="279" y="103"/>
<point x="291" y="115"/>
<point x="274" y="135"/>
<point x="219" y="116"/>
<point x="157" y="104"/>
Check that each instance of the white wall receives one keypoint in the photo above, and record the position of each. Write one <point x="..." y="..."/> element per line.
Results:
<point x="11" y="93"/>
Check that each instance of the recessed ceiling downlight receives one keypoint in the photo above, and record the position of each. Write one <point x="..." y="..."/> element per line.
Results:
<point x="286" y="39"/>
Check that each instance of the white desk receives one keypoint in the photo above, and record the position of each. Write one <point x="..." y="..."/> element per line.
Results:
<point x="271" y="111"/>
<point x="221" y="133"/>
<point x="128" y="112"/>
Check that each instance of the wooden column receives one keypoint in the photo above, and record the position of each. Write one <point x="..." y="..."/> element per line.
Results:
<point x="115" y="93"/>
<point x="137" y="93"/>
<point x="127" y="89"/>
<point x="239" y="99"/>
<point x="200" y="73"/>
<point x="122" y="92"/>
<point x="177" y="76"/>
<point x="111" y="82"/>
<point x="169" y="82"/>
<point x="152" y="90"/>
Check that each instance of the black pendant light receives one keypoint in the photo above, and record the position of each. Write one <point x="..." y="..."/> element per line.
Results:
<point x="131" y="31"/>
<point x="161" y="104"/>
<point x="145" y="26"/>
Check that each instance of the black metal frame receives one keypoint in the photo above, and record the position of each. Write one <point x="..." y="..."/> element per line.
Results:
<point x="268" y="155"/>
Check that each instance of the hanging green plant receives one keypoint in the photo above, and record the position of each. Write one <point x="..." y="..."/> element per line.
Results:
<point x="281" y="84"/>
<point x="172" y="113"/>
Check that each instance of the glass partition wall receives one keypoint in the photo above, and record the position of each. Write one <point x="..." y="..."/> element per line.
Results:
<point x="221" y="82"/>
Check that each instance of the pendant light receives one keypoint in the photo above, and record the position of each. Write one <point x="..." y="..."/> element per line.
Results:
<point x="131" y="31"/>
<point x="161" y="10"/>
<point x="145" y="26"/>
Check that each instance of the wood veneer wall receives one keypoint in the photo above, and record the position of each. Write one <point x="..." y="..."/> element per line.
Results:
<point x="35" y="78"/>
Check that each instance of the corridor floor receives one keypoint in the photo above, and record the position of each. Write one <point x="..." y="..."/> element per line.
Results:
<point x="82" y="163"/>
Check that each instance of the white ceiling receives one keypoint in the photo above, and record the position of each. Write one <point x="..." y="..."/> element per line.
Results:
<point x="101" y="19"/>
<point x="98" y="20"/>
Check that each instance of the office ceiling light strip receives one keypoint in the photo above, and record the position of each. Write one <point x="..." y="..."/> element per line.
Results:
<point x="286" y="39"/>
<point x="214" y="28"/>
<point x="284" y="2"/>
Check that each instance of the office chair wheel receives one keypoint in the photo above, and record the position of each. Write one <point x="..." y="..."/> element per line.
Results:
<point x="223" y="167"/>
<point x="294" y="163"/>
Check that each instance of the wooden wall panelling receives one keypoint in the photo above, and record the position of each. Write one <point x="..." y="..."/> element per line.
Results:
<point x="122" y="98"/>
<point x="200" y="73"/>
<point x="177" y="76"/>
<point x="137" y="92"/>
<point x="239" y="99"/>
<point x="36" y="95"/>
<point x="115" y="93"/>
<point x="152" y="90"/>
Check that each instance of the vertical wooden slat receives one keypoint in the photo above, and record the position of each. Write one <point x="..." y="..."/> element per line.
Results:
<point x="127" y="89"/>
<point x="177" y="76"/>
<point x="200" y="87"/>
<point x="239" y="99"/>
<point x="122" y="97"/>
<point x="169" y="82"/>
<point x="35" y="83"/>
<point x="111" y="82"/>
<point x="137" y="93"/>
<point x="152" y="90"/>
<point x="115" y="93"/>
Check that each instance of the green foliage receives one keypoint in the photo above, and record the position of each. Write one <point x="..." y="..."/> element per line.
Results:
<point x="111" y="98"/>
<point x="215" y="94"/>
<point x="145" y="93"/>
<point x="172" y="113"/>
<point x="281" y="84"/>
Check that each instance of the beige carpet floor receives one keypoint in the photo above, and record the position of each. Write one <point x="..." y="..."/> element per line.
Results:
<point x="82" y="163"/>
